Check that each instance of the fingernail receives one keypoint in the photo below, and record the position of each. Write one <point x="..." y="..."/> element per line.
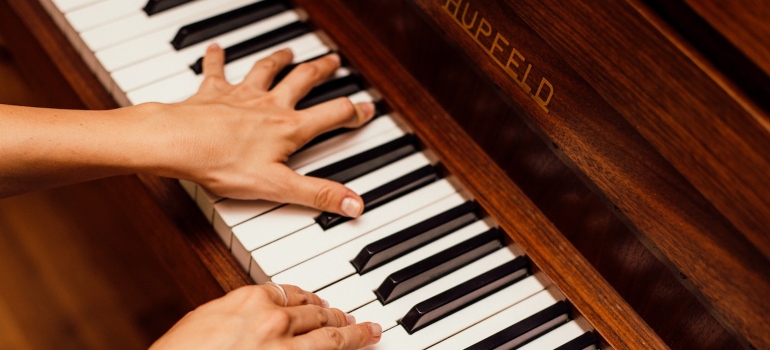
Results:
<point x="350" y="318"/>
<point x="214" y="46"/>
<point x="351" y="207"/>
<point x="367" y="108"/>
<point x="376" y="330"/>
<point x="288" y="50"/>
<point x="335" y="57"/>
<point x="325" y="303"/>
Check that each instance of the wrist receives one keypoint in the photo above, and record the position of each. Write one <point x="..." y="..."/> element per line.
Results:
<point x="153" y="143"/>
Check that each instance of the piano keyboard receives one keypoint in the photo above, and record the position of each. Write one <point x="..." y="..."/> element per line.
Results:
<point x="422" y="260"/>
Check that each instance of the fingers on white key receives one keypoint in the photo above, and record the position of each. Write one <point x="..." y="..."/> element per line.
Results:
<point x="264" y="71"/>
<point x="334" y="114"/>
<point x="307" y="318"/>
<point x="317" y="193"/>
<point x="350" y="337"/>
<point x="303" y="78"/>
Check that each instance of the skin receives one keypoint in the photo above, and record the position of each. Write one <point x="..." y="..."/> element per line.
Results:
<point x="231" y="139"/>
<point x="254" y="318"/>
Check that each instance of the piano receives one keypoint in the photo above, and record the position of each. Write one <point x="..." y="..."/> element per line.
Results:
<point x="547" y="174"/>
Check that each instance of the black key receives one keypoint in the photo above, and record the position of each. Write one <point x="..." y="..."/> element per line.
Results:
<point x="384" y="194"/>
<point x="526" y="330"/>
<point x="404" y="241"/>
<point x="368" y="161"/>
<point x="462" y="295"/>
<point x="586" y="341"/>
<point x="256" y="44"/>
<point x="156" y="6"/>
<point x="194" y="33"/>
<point x="330" y="90"/>
<point x="434" y="267"/>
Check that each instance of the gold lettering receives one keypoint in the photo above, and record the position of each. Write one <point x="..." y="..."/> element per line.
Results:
<point x="482" y="33"/>
<point x="539" y="100"/>
<point x="523" y="82"/>
<point x="456" y="3"/>
<point x="512" y="61"/>
<point x="473" y="21"/>
<point x="482" y="24"/>
<point x="496" y="44"/>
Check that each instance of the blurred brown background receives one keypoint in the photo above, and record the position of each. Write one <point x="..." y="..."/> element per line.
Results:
<point x="73" y="272"/>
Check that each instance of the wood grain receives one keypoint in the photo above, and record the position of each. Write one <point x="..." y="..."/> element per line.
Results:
<point x="76" y="276"/>
<point x="201" y="265"/>
<point x="496" y="123"/>
<point x="743" y="22"/>
<point x="630" y="173"/>
<point x="526" y="225"/>
<point x="676" y="222"/>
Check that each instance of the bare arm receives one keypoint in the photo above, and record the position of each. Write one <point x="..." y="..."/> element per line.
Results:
<point x="233" y="140"/>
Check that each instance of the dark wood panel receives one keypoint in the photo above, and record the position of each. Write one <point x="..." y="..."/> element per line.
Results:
<point x="76" y="275"/>
<point x="746" y="23"/>
<point x="614" y="158"/>
<point x="176" y="231"/>
<point x="716" y="142"/>
<point x="494" y="190"/>
<point x="48" y="60"/>
<point x="585" y="220"/>
<point x="724" y="59"/>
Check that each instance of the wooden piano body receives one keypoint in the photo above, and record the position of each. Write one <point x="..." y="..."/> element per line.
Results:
<point x="624" y="146"/>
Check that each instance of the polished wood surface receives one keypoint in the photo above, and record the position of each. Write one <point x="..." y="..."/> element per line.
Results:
<point x="506" y="203"/>
<point x="689" y="180"/>
<point x="640" y="192"/>
<point x="76" y="273"/>
<point x="183" y="240"/>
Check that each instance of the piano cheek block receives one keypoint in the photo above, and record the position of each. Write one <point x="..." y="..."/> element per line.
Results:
<point x="456" y="298"/>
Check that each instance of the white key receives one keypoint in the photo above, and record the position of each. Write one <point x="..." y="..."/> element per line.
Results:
<point x="173" y="62"/>
<point x="231" y="212"/>
<point x="66" y="6"/>
<point x="156" y="43"/>
<point x="137" y="50"/>
<point x="335" y="265"/>
<point x="361" y="96"/>
<point x="102" y="13"/>
<point x="343" y="153"/>
<point x="183" y="85"/>
<point x="501" y="320"/>
<point x="285" y="220"/>
<point x="189" y="187"/>
<point x="398" y="338"/>
<point x="206" y="201"/>
<point x="312" y="241"/>
<point x="356" y="290"/>
<point x="388" y="315"/>
<point x="557" y="337"/>
<point x="335" y="144"/>
<point x="138" y="24"/>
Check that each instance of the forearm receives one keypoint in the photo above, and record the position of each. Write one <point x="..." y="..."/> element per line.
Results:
<point x="43" y="148"/>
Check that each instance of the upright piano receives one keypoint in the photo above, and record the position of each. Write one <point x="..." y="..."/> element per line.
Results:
<point x="608" y="158"/>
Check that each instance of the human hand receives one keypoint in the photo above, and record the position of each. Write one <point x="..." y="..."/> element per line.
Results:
<point x="234" y="139"/>
<point x="254" y="317"/>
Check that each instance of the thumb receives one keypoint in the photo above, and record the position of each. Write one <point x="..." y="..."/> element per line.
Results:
<point x="321" y="194"/>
